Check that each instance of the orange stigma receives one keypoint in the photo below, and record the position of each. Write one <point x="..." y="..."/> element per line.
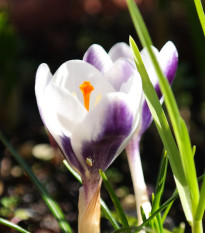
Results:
<point x="86" y="89"/>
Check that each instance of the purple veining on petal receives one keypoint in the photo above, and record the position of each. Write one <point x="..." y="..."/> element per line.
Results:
<point x="169" y="72"/>
<point x="171" y="68"/>
<point x="70" y="155"/>
<point x="116" y="128"/>
<point x="97" y="57"/>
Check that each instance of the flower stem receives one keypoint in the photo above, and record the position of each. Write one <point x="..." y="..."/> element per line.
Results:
<point x="197" y="227"/>
<point x="140" y="188"/>
<point x="89" y="211"/>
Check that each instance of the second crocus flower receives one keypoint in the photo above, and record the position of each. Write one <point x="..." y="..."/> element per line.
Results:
<point x="168" y="60"/>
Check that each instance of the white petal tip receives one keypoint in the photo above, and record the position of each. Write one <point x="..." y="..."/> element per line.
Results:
<point x="170" y="48"/>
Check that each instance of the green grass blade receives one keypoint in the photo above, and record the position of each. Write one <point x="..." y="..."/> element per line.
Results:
<point x="162" y="207"/>
<point x="159" y="191"/>
<point x="73" y="172"/>
<point x="107" y="213"/>
<point x="115" y="200"/>
<point x="160" y="182"/>
<point x="189" y="165"/>
<point x="166" y="211"/>
<point x="52" y="205"/>
<point x="201" y="206"/>
<point x="200" y="12"/>
<point x="13" y="226"/>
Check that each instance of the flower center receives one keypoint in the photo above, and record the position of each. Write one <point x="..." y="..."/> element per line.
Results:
<point x="86" y="89"/>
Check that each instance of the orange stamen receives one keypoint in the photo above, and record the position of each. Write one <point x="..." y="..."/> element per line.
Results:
<point x="86" y="89"/>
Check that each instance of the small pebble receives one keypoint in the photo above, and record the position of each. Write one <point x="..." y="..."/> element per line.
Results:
<point x="43" y="152"/>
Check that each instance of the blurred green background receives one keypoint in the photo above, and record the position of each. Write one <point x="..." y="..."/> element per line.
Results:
<point x="54" y="31"/>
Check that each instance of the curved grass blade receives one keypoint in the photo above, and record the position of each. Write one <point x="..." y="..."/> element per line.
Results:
<point x="52" y="205"/>
<point x="162" y="207"/>
<point x="200" y="12"/>
<point x="13" y="226"/>
<point x="104" y="207"/>
<point x="160" y="182"/>
<point x="115" y="200"/>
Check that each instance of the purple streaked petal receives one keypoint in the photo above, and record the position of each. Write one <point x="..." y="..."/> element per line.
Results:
<point x="103" y="131"/>
<point x="97" y="57"/>
<point x="103" y="149"/>
<point x="120" y="72"/>
<point x="120" y="50"/>
<point x="70" y="155"/>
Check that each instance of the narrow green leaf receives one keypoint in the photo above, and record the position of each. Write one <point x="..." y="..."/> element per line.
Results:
<point x="52" y="205"/>
<point x="143" y="214"/>
<point x="162" y="207"/>
<point x="115" y="200"/>
<point x="107" y="213"/>
<point x="201" y="206"/>
<point x="160" y="182"/>
<point x="189" y="166"/>
<point x="166" y="211"/>
<point x="73" y="172"/>
<point x="12" y="225"/>
<point x="159" y="191"/>
<point x="200" y="12"/>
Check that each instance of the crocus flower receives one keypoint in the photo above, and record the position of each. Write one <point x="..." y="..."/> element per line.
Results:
<point x="168" y="60"/>
<point x="91" y="108"/>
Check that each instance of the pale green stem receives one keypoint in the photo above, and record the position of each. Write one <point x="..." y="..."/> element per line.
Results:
<point x="197" y="227"/>
<point x="140" y="188"/>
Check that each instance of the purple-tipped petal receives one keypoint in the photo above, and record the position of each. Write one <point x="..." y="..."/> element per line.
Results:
<point x="120" y="50"/>
<point x="97" y="57"/>
<point x="168" y="59"/>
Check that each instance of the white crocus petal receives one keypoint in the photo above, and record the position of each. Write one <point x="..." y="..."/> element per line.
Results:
<point x="149" y="65"/>
<point x="120" y="50"/>
<point x="133" y="88"/>
<point x="43" y="77"/>
<point x="68" y="109"/>
<point x="120" y="72"/>
<point x="73" y="73"/>
<point x="61" y="111"/>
